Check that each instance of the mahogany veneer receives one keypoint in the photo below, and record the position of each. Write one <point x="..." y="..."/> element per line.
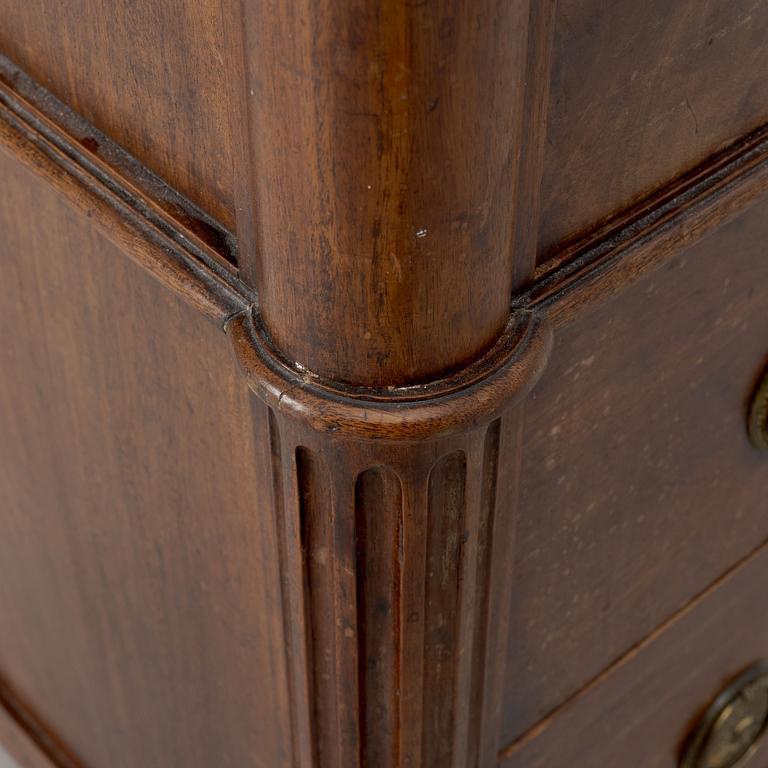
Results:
<point x="375" y="380"/>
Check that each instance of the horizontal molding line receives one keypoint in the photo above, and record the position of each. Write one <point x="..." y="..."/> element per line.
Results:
<point x="455" y="404"/>
<point x="37" y="130"/>
<point x="549" y="720"/>
<point x="137" y="220"/>
<point x="20" y="728"/>
<point x="643" y="237"/>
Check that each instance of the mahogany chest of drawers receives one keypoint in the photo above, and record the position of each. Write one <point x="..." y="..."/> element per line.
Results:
<point x="384" y="384"/>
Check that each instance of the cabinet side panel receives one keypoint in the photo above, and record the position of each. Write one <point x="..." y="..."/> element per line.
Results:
<point x="139" y="591"/>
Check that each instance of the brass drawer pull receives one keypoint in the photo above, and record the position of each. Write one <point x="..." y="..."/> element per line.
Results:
<point x="728" y="733"/>
<point x="758" y="415"/>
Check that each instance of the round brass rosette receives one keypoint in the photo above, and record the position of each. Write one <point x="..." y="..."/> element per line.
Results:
<point x="727" y="735"/>
<point x="758" y="415"/>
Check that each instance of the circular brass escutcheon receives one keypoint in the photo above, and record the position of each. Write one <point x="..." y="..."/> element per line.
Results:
<point x="758" y="415"/>
<point x="728" y="733"/>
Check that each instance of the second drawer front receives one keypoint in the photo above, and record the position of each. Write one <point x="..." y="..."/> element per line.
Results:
<point x="640" y="715"/>
<point x="640" y="486"/>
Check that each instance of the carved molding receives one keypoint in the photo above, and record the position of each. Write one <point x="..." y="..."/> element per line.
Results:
<point x="386" y="556"/>
<point x="394" y="519"/>
<point x="471" y="397"/>
<point x="394" y="508"/>
<point x="139" y="213"/>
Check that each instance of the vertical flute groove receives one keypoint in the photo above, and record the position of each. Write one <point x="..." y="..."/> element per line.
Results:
<point x="317" y="548"/>
<point x="378" y="516"/>
<point x="483" y="582"/>
<point x="445" y="537"/>
<point x="276" y="456"/>
<point x="393" y="566"/>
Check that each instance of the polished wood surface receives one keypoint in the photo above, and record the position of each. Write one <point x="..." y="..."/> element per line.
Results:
<point x="375" y="379"/>
<point x="428" y="154"/>
<point x="639" y="712"/>
<point x="639" y="483"/>
<point x="152" y="76"/>
<point x="385" y="157"/>
<point x="136" y="561"/>
<point x="641" y="92"/>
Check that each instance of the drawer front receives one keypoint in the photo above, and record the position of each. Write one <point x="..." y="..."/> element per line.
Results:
<point x="643" y="713"/>
<point x="640" y="485"/>
<point x="641" y="92"/>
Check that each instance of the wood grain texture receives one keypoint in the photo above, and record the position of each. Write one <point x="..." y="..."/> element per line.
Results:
<point x="138" y="585"/>
<point x="16" y="743"/>
<point x="642" y="238"/>
<point x="641" y="93"/>
<point x="639" y="482"/>
<point x="390" y="575"/>
<point x="640" y="713"/>
<point x="475" y="396"/>
<point x="150" y="222"/>
<point x="324" y="572"/>
<point x="329" y="525"/>
<point x="385" y="143"/>
<point x="153" y="76"/>
<point x="538" y="76"/>
<point x="378" y="544"/>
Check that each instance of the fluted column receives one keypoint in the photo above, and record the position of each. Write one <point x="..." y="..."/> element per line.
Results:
<point x="394" y="517"/>
<point x="389" y="195"/>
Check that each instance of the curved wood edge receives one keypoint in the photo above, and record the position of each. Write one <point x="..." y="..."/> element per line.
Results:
<point x="385" y="206"/>
<point x="26" y="738"/>
<point x="127" y="203"/>
<point x="383" y="421"/>
<point x="130" y="206"/>
<point x="646" y="236"/>
<point x="509" y="372"/>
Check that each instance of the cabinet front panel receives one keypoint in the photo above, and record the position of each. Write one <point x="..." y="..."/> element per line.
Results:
<point x="639" y="483"/>
<point x="642" y="714"/>
<point x="642" y="92"/>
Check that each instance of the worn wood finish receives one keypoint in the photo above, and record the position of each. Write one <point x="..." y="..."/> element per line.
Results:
<point x="385" y="147"/>
<point x="641" y="93"/>
<point x="639" y="482"/>
<point x="533" y="140"/>
<point x="137" y="575"/>
<point x="158" y="228"/>
<point x="390" y="571"/>
<point x="429" y="482"/>
<point x="153" y="76"/>
<point x="639" y="713"/>
<point x="324" y="571"/>
<point x="441" y="443"/>
<point x="645" y="236"/>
